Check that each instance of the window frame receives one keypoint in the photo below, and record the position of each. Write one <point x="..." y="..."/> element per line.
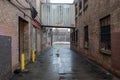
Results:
<point x="80" y="5"/>
<point x="86" y="37"/>
<point x="76" y="11"/>
<point x="105" y="46"/>
<point x="85" y="4"/>
<point x="76" y="37"/>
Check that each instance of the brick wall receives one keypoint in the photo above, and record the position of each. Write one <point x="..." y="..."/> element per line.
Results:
<point x="9" y="26"/>
<point x="91" y="16"/>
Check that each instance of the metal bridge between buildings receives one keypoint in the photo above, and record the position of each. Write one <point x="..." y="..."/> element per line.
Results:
<point x="58" y="15"/>
<point x="48" y="26"/>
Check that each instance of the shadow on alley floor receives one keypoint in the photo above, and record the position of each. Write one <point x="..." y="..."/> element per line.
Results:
<point x="61" y="63"/>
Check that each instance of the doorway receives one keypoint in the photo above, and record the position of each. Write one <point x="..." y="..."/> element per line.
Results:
<point x="34" y="39"/>
<point x="23" y="38"/>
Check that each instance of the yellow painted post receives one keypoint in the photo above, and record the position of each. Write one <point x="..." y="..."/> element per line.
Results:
<point x="22" y="62"/>
<point x="33" y="56"/>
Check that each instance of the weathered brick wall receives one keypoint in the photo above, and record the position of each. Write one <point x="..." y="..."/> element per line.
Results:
<point x="9" y="26"/>
<point x="96" y="10"/>
<point x="115" y="33"/>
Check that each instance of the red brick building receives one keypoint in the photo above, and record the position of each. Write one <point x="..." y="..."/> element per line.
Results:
<point x="97" y="32"/>
<point x="17" y="30"/>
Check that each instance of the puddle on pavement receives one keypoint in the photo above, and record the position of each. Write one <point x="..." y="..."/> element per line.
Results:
<point x="58" y="55"/>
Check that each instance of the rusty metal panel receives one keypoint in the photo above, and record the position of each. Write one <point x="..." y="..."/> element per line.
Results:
<point x="58" y="14"/>
<point x="115" y="41"/>
<point x="5" y="57"/>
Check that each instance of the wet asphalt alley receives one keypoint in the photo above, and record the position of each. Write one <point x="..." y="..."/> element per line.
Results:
<point x="61" y="63"/>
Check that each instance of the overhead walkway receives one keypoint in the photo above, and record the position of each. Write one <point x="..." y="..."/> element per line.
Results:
<point x="58" y="15"/>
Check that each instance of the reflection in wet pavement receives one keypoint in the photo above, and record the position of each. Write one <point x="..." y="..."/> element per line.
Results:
<point x="61" y="63"/>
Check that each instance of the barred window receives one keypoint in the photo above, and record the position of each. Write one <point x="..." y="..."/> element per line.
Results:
<point x="105" y="36"/>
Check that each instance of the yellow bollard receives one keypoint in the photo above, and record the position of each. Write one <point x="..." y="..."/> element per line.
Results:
<point x="33" y="56"/>
<point x="22" y="62"/>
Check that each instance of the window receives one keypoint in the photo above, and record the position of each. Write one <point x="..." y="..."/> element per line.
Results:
<point x="76" y="9"/>
<point x="85" y="4"/>
<point x="86" y="37"/>
<point x="85" y="1"/>
<point x="76" y="36"/>
<point x="76" y="21"/>
<point x="105" y="36"/>
<point x="80" y="5"/>
<point x="73" y="37"/>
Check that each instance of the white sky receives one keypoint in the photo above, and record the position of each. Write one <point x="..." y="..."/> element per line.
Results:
<point x="61" y="1"/>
